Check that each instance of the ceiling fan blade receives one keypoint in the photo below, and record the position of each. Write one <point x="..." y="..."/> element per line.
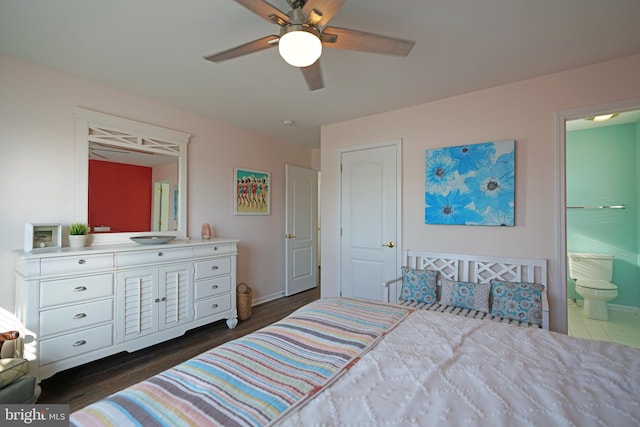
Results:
<point x="343" y="38"/>
<point x="265" y="10"/>
<point x="254" y="46"/>
<point x="313" y="75"/>
<point x="320" y="12"/>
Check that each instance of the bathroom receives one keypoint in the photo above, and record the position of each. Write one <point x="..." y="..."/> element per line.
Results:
<point x="602" y="190"/>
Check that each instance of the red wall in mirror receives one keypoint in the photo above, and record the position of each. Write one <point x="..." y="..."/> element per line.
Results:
<point x="120" y="196"/>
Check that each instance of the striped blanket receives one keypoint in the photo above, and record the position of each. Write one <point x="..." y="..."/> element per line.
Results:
<point x="255" y="379"/>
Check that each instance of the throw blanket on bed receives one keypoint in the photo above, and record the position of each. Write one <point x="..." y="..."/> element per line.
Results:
<point x="254" y="379"/>
<point x="439" y="369"/>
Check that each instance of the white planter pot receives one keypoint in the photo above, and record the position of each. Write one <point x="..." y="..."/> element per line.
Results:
<point x="77" y="241"/>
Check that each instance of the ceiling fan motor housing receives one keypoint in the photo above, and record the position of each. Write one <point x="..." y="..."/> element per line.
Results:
<point x="296" y="4"/>
<point x="300" y="27"/>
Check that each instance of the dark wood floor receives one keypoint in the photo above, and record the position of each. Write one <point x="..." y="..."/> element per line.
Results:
<point x="88" y="383"/>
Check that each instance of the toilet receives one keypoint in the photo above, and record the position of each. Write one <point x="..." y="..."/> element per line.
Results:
<point x="593" y="274"/>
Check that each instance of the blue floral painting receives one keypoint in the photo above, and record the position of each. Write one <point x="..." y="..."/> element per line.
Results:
<point x="470" y="184"/>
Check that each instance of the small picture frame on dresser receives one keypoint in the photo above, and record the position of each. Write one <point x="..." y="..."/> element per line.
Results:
<point x="38" y="236"/>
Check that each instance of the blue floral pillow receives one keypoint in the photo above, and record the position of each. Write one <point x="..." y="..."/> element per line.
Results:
<point x="474" y="296"/>
<point x="518" y="301"/>
<point x="418" y="285"/>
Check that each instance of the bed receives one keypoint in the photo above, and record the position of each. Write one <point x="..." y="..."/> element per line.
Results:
<point x="341" y="361"/>
<point x="348" y="362"/>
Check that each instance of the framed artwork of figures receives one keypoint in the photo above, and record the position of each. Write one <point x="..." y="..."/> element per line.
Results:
<point x="252" y="192"/>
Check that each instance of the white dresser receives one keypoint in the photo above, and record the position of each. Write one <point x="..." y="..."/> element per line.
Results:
<point x="81" y="305"/>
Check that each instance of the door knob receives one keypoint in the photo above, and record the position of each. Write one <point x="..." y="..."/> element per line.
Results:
<point x="389" y="245"/>
<point x="290" y="236"/>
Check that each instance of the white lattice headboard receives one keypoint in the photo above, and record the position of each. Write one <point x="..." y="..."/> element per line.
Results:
<point x="477" y="269"/>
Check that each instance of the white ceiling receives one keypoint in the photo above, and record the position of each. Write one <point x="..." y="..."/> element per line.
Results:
<point x="154" y="48"/>
<point x="622" y="118"/>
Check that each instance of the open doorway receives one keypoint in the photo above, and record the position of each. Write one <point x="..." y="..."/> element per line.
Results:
<point x="602" y="224"/>
<point x="161" y="193"/>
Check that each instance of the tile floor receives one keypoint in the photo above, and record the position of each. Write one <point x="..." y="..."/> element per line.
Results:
<point x="622" y="327"/>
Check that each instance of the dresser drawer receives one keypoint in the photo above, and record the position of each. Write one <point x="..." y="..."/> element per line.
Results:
<point x="127" y="259"/>
<point x="203" y="251"/>
<point x="213" y="267"/>
<point x="64" y="291"/>
<point x="215" y="286"/>
<point x="74" y="344"/>
<point x="75" y="317"/>
<point x="75" y="264"/>
<point x="212" y="306"/>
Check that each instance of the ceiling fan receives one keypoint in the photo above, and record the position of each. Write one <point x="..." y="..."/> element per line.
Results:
<point x="303" y="33"/>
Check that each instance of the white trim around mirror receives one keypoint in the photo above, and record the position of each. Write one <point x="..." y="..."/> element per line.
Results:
<point x="176" y="141"/>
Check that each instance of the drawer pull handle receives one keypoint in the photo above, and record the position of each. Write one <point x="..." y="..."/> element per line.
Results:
<point x="156" y="300"/>
<point x="215" y="248"/>
<point x="80" y="289"/>
<point x="79" y="343"/>
<point x="163" y="299"/>
<point x="160" y="254"/>
<point x="80" y="316"/>
<point x="214" y="286"/>
<point x="214" y="306"/>
<point x="81" y="261"/>
<point x="215" y="267"/>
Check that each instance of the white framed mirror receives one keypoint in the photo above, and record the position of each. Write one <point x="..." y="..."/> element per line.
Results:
<point x="116" y="148"/>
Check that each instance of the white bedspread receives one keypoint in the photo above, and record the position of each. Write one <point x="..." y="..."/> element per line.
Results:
<point x="440" y="369"/>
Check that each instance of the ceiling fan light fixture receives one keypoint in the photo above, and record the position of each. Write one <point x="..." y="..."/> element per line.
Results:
<point x="300" y="45"/>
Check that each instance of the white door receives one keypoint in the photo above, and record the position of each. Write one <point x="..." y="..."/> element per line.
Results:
<point x="161" y="193"/>
<point x="301" y="228"/>
<point x="370" y="213"/>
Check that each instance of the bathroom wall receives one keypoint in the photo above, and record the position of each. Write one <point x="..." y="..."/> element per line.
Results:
<point x="603" y="169"/>
<point x="637" y="131"/>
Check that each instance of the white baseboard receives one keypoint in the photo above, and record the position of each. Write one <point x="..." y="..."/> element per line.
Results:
<point x="614" y="307"/>
<point x="625" y="308"/>
<point x="267" y="298"/>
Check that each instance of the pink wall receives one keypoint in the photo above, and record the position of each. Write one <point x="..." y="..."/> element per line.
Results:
<point x="523" y="111"/>
<point x="37" y="168"/>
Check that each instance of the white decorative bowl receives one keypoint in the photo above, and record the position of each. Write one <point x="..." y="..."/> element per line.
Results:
<point x="152" y="240"/>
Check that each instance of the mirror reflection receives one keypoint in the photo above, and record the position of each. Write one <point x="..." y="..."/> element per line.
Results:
<point x="131" y="190"/>
<point x="124" y="154"/>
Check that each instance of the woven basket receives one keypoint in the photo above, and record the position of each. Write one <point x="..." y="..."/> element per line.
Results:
<point x="243" y="300"/>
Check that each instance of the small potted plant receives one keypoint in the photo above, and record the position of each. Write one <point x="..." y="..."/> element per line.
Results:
<point x="78" y="234"/>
